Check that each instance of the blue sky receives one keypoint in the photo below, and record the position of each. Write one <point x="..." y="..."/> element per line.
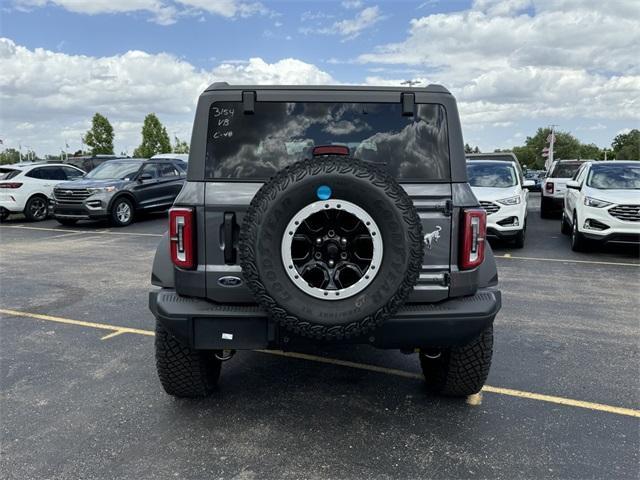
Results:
<point x="513" y="65"/>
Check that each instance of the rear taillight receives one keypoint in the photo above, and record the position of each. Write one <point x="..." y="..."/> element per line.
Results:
<point x="10" y="185"/>
<point x="330" y="150"/>
<point x="181" y="236"/>
<point x="549" y="187"/>
<point x="473" y="234"/>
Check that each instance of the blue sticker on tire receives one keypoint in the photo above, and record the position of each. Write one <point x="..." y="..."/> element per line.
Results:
<point x="324" y="192"/>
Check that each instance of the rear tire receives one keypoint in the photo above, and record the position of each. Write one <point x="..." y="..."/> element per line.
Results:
<point x="460" y="371"/>
<point x="4" y="214"/>
<point x="36" y="208"/>
<point x="545" y="208"/>
<point x="184" y="371"/>
<point x="565" y="228"/>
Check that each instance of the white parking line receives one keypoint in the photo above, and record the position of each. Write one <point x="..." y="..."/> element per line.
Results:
<point x="567" y="260"/>
<point x="87" y="232"/>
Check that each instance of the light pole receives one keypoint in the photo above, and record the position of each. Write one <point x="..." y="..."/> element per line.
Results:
<point x="411" y="83"/>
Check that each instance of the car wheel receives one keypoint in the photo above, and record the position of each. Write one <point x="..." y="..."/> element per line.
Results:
<point x="184" y="371"/>
<point x="519" y="238"/>
<point x="578" y="242"/>
<point x="122" y="212"/>
<point x="67" y="222"/>
<point x="335" y="266"/>
<point x="565" y="228"/>
<point x="459" y="371"/>
<point x="36" y="208"/>
<point x="4" y="214"/>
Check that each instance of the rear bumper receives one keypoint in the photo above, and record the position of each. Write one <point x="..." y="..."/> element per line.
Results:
<point x="206" y="325"/>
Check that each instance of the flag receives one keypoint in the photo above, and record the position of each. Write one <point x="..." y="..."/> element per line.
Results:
<point x="545" y="150"/>
<point x="545" y="154"/>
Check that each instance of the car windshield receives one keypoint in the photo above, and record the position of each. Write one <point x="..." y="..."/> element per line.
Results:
<point x="500" y="175"/>
<point x="113" y="170"/>
<point x="565" y="170"/>
<point x="608" y="177"/>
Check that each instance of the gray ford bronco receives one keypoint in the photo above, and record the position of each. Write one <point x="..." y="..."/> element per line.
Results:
<point x="325" y="215"/>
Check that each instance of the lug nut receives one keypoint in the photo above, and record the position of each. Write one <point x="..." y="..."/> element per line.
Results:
<point x="343" y="255"/>
<point x="343" y="241"/>
<point x="318" y="241"/>
<point x="331" y="233"/>
<point x="318" y="255"/>
<point x="331" y="263"/>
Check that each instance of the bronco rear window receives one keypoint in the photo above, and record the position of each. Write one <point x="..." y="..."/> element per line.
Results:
<point x="253" y="147"/>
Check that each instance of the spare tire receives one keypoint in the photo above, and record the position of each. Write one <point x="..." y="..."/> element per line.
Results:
<point x="331" y="247"/>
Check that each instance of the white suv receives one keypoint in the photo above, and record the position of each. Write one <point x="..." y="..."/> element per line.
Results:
<point x="27" y="188"/>
<point x="554" y="186"/>
<point x="602" y="203"/>
<point x="502" y="192"/>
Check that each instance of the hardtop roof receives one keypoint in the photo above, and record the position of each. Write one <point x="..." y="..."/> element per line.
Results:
<point x="432" y="88"/>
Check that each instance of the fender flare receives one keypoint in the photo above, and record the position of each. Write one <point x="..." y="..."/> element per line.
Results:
<point x="118" y="195"/>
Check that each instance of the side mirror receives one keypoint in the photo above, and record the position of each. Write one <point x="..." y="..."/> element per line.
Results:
<point x="528" y="184"/>
<point x="573" y="185"/>
<point x="145" y="176"/>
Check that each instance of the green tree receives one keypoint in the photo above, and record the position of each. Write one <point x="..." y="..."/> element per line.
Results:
<point x="566" y="146"/>
<point x="100" y="137"/>
<point x="590" y="152"/>
<point x="626" y="146"/>
<point x="180" y="146"/>
<point x="10" y="155"/>
<point x="154" y="138"/>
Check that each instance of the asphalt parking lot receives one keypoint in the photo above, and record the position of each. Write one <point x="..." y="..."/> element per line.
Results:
<point x="80" y="397"/>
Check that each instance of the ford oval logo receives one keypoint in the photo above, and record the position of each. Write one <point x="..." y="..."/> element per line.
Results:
<point x="229" y="281"/>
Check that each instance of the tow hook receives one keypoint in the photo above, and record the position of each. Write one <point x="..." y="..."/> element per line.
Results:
<point x="224" y="355"/>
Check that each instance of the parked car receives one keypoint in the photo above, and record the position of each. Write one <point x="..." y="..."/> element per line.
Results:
<point x="293" y="229"/>
<point x="502" y="191"/>
<point x="183" y="157"/>
<point x="559" y="173"/>
<point x="28" y="187"/>
<point x="117" y="189"/>
<point x="88" y="163"/>
<point x="602" y="204"/>
<point x="536" y="177"/>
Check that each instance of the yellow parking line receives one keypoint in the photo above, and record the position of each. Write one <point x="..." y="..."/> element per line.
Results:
<point x="88" y="232"/>
<point x="118" y="330"/>
<point x="100" y="326"/>
<point x="567" y="260"/>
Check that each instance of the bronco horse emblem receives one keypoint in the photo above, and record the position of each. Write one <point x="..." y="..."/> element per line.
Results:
<point x="433" y="237"/>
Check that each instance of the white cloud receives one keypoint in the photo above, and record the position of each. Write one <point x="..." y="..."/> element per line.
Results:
<point x="49" y="97"/>
<point x="164" y="12"/>
<point x="351" y="4"/>
<point x="521" y="59"/>
<point x="348" y="28"/>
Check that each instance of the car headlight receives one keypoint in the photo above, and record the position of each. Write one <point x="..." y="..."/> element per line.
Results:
<point x="108" y="189"/>
<point x="510" y="201"/>
<point x="594" y="202"/>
